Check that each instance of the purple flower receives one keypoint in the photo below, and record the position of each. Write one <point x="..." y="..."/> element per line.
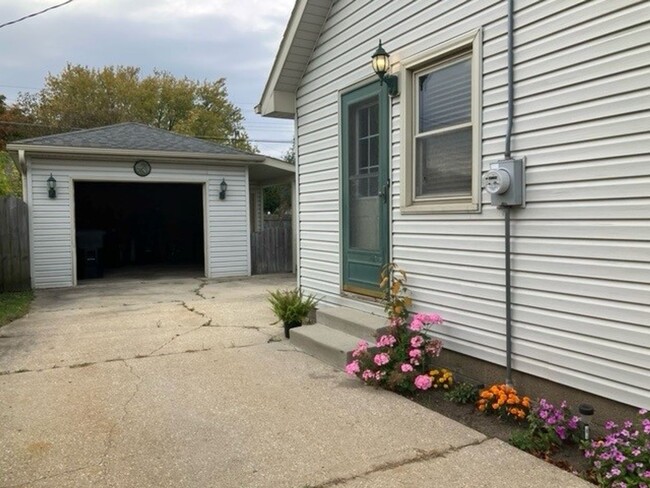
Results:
<point x="646" y="426"/>
<point x="573" y="422"/>
<point x="610" y="425"/>
<point x="561" y="432"/>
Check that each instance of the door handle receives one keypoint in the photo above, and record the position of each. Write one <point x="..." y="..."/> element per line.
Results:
<point x="383" y="194"/>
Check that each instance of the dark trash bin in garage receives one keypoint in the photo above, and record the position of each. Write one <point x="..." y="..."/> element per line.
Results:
<point x="90" y="244"/>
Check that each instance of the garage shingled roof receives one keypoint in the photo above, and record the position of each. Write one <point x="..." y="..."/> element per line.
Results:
<point x="131" y="135"/>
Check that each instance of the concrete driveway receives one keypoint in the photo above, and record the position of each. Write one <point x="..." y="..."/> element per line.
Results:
<point x="183" y="383"/>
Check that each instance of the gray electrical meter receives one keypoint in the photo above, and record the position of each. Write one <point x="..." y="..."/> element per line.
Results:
<point x="504" y="181"/>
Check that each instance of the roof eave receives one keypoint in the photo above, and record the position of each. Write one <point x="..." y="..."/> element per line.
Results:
<point x="91" y="151"/>
<point x="282" y="103"/>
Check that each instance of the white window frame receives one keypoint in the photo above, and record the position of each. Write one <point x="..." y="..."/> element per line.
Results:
<point x="467" y="44"/>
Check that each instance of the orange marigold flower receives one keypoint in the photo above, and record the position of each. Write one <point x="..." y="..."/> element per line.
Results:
<point x="495" y="406"/>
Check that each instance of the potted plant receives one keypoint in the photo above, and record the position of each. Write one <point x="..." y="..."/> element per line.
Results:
<point x="291" y="307"/>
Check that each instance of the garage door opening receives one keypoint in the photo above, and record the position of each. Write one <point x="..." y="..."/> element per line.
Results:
<point x="138" y="229"/>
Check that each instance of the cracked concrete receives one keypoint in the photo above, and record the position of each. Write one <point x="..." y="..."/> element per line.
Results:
<point x="158" y="384"/>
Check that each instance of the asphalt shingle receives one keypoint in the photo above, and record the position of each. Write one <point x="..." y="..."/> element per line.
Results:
<point x="131" y="135"/>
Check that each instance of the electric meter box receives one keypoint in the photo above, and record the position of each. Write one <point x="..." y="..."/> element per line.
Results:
<point x="505" y="183"/>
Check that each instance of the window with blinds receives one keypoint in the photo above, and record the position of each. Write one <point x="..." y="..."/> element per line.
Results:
<point x="443" y="130"/>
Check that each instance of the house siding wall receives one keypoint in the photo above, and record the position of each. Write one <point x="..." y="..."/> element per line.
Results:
<point x="581" y="247"/>
<point x="227" y="249"/>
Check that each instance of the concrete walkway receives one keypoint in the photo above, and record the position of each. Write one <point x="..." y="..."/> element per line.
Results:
<point x="183" y="383"/>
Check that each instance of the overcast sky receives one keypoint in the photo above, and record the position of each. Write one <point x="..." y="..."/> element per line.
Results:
<point x="201" y="39"/>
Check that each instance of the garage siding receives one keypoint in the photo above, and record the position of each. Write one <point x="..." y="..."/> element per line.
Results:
<point x="581" y="246"/>
<point x="52" y="220"/>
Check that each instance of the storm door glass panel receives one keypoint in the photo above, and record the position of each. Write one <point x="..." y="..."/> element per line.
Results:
<point x="363" y="175"/>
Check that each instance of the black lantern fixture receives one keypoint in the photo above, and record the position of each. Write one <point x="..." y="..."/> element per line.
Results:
<point x="51" y="186"/>
<point x="224" y="187"/>
<point x="381" y="64"/>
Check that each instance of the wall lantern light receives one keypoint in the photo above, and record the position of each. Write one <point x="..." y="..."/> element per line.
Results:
<point x="224" y="187"/>
<point x="51" y="186"/>
<point x="381" y="64"/>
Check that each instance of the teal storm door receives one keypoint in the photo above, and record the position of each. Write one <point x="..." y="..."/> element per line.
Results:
<point x="365" y="191"/>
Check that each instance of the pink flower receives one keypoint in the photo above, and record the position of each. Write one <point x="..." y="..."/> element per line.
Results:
<point x="379" y="375"/>
<point x="416" y="324"/>
<point x="433" y="347"/>
<point x="432" y="318"/>
<point x="406" y="368"/>
<point x="352" y="368"/>
<point x="422" y="382"/>
<point x="417" y="341"/>
<point x="396" y="322"/>
<point x="362" y="347"/>
<point x="386" y="341"/>
<point x="381" y="359"/>
<point x="415" y="353"/>
<point x="367" y="374"/>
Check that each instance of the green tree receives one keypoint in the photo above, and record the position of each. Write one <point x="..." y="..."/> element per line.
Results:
<point x="277" y="198"/>
<point x="10" y="129"/>
<point x="83" y="97"/>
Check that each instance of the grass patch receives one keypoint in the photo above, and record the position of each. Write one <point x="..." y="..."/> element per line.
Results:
<point x="14" y="304"/>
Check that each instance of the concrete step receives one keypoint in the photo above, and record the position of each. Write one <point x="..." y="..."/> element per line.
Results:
<point x="329" y="345"/>
<point x="354" y="322"/>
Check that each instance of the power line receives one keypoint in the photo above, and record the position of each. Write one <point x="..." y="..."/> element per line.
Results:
<point x="35" y="14"/>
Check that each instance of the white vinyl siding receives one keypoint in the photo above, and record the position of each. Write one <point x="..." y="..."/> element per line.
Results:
<point x="581" y="247"/>
<point x="52" y="233"/>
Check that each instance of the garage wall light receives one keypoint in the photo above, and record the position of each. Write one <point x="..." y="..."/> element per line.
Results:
<point x="381" y="64"/>
<point x="51" y="186"/>
<point x="224" y="187"/>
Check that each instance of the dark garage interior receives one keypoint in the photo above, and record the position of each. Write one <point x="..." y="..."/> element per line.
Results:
<point x="138" y="226"/>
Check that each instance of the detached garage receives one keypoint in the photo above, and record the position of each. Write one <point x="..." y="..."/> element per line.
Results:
<point x="129" y="197"/>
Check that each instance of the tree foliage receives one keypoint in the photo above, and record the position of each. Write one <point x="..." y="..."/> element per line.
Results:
<point x="11" y="128"/>
<point x="81" y="97"/>
<point x="277" y="198"/>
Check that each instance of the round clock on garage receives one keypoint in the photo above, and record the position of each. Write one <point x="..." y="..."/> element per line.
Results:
<point x="142" y="167"/>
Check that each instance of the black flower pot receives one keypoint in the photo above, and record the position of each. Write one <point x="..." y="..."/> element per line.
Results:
<point x="290" y="325"/>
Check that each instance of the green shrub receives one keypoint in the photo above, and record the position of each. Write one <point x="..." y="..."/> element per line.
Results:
<point x="291" y="306"/>
<point x="462" y="393"/>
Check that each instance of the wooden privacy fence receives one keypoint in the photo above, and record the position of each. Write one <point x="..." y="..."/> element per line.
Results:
<point x="271" y="250"/>
<point x="14" y="245"/>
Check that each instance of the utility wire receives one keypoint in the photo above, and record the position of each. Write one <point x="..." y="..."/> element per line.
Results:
<point x="35" y="14"/>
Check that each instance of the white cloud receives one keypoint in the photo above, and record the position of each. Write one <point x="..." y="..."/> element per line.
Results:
<point x="201" y="39"/>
